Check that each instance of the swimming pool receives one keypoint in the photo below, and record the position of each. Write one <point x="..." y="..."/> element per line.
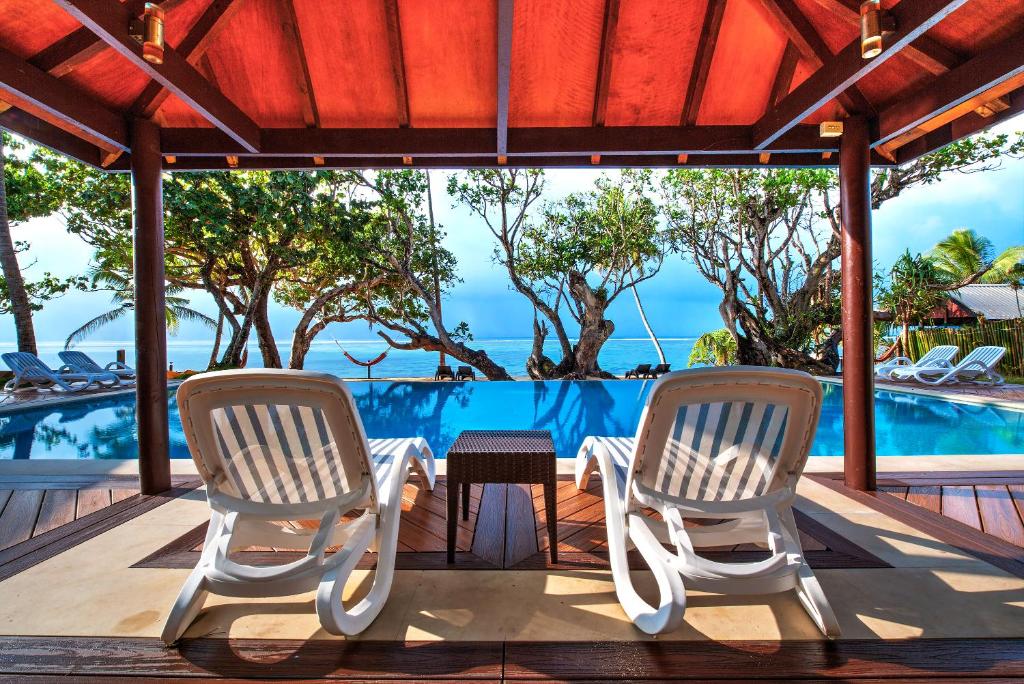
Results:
<point x="104" y="428"/>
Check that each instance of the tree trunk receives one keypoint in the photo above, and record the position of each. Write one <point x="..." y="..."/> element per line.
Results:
<point x="647" y="326"/>
<point x="21" y="307"/>
<point x="433" y="241"/>
<point x="595" y="329"/>
<point x="539" y="366"/>
<point x="219" y="332"/>
<point x="477" y="358"/>
<point x="264" y="334"/>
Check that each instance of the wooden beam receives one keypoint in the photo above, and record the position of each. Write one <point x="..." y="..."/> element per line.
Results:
<point x="966" y="87"/>
<point x="394" y="28"/>
<point x="702" y="61"/>
<point x="812" y="47"/>
<point x="46" y="134"/>
<point x="926" y="52"/>
<point x="506" y="16"/>
<point x="604" y="60"/>
<point x="848" y="67"/>
<point x="192" y="47"/>
<point x="304" y="82"/>
<point x="62" y="101"/>
<point x="109" y="19"/>
<point x="81" y="45"/>
<point x="784" y="75"/>
<point x="457" y="142"/>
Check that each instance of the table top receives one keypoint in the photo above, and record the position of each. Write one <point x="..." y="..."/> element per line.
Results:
<point x="503" y="442"/>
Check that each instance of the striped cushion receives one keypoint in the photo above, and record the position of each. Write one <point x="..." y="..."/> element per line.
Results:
<point x="278" y="454"/>
<point x="718" y="451"/>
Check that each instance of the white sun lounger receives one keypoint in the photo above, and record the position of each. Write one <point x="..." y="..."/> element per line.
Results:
<point x="275" y="446"/>
<point x="725" y="444"/>
<point x="83" y="363"/>
<point x="29" y="369"/>
<point x="979" y="366"/>
<point x="936" y="357"/>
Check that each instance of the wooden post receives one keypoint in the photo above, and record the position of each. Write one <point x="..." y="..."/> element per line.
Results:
<point x="150" y="324"/>
<point x="857" y="306"/>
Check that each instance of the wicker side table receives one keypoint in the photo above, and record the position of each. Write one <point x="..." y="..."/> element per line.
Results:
<point x="501" y="456"/>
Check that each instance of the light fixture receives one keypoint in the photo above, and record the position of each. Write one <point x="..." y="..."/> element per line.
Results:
<point x="170" y="158"/>
<point x="595" y="159"/>
<point x="764" y="157"/>
<point x="232" y="161"/>
<point x="830" y="129"/>
<point x="502" y="160"/>
<point x="153" y="34"/>
<point x="319" y="161"/>
<point x="870" y="28"/>
<point x="681" y="158"/>
<point x="407" y="161"/>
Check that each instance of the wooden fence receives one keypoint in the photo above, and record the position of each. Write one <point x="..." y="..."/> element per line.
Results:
<point x="1008" y="334"/>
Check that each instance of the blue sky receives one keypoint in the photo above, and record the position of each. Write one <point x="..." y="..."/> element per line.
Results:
<point x="678" y="300"/>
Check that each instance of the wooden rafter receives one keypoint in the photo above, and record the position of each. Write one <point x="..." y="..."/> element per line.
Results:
<point x="24" y="124"/>
<point x="702" y="61"/>
<point x="81" y="45"/>
<point x="925" y="52"/>
<point x="74" y="109"/>
<point x="784" y="74"/>
<point x="310" y="112"/>
<point x="848" y="67"/>
<point x="994" y="73"/>
<point x="192" y="47"/>
<point x="506" y="16"/>
<point x="469" y="142"/>
<point x="110" y="20"/>
<point x="604" y="61"/>
<point x="812" y="47"/>
<point x="397" y="52"/>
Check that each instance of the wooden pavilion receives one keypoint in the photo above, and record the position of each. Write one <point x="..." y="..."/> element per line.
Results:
<point x="301" y="84"/>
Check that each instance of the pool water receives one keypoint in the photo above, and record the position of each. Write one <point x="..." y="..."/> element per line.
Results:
<point x="104" y="428"/>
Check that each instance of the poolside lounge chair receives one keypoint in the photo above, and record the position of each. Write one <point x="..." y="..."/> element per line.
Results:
<point x="444" y="373"/>
<point x="641" y="371"/>
<point x="278" y="445"/>
<point x="83" y="363"/>
<point x="29" y="369"/>
<point x="465" y="373"/>
<point x="940" y="357"/>
<point x="719" y="444"/>
<point x="979" y="366"/>
<point x="660" y="369"/>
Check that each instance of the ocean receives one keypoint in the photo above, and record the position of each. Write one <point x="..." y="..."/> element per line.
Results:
<point x="617" y="355"/>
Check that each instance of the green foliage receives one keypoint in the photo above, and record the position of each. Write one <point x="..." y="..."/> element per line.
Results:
<point x="963" y="254"/>
<point x="715" y="348"/>
<point x="909" y="290"/>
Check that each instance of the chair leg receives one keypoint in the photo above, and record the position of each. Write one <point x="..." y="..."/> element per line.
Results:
<point x="808" y="589"/>
<point x="187" y="606"/>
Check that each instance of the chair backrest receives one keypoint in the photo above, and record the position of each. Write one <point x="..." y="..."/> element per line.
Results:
<point x="643" y="368"/>
<point x="722" y="434"/>
<point x="662" y="368"/>
<point x="25" y="363"/>
<point x="444" y="370"/>
<point x="990" y="356"/>
<point x="271" y="437"/>
<point x="80" y="360"/>
<point x="942" y="353"/>
<point x="465" y="370"/>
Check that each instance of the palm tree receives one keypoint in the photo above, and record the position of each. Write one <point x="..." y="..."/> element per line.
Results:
<point x="176" y="309"/>
<point x="647" y="325"/>
<point x="965" y="257"/>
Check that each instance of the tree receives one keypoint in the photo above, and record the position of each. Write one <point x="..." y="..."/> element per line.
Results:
<point x="910" y="291"/>
<point x="25" y="193"/>
<point x="176" y="309"/>
<point x="965" y="257"/>
<point x="715" y="348"/>
<point x="647" y="325"/>
<point x="768" y="239"/>
<point x="400" y="243"/>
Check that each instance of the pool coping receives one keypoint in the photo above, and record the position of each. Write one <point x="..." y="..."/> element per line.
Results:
<point x="937" y="394"/>
<point x="52" y="400"/>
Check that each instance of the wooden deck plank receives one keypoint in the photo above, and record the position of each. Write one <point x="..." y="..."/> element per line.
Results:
<point x="1017" y="493"/>
<point x="19" y="517"/>
<point x="898" y="491"/>
<point x="960" y="504"/>
<point x="5" y="494"/>
<point x="929" y="496"/>
<point x="489" y="536"/>
<point x="520" y="525"/>
<point x="122" y="493"/>
<point x="92" y="500"/>
<point x="999" y="516"/>
<point x="58" y="508"/>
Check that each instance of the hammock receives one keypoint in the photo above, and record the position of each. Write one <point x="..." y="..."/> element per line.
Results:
<point x="365" y="364"/>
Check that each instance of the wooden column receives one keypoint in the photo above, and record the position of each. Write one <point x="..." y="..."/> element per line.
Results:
<point x="858" y="343"/>
<point x="150" y="324"/>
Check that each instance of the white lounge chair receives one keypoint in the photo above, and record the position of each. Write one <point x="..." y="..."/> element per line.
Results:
<point x="276" y="445"/>
<point x="725" y="444"/>
<point x="30" y="370"/>
<point x="979" y="366"/>
<point x="83" y="363"/>
<point x="936" y="357"/>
